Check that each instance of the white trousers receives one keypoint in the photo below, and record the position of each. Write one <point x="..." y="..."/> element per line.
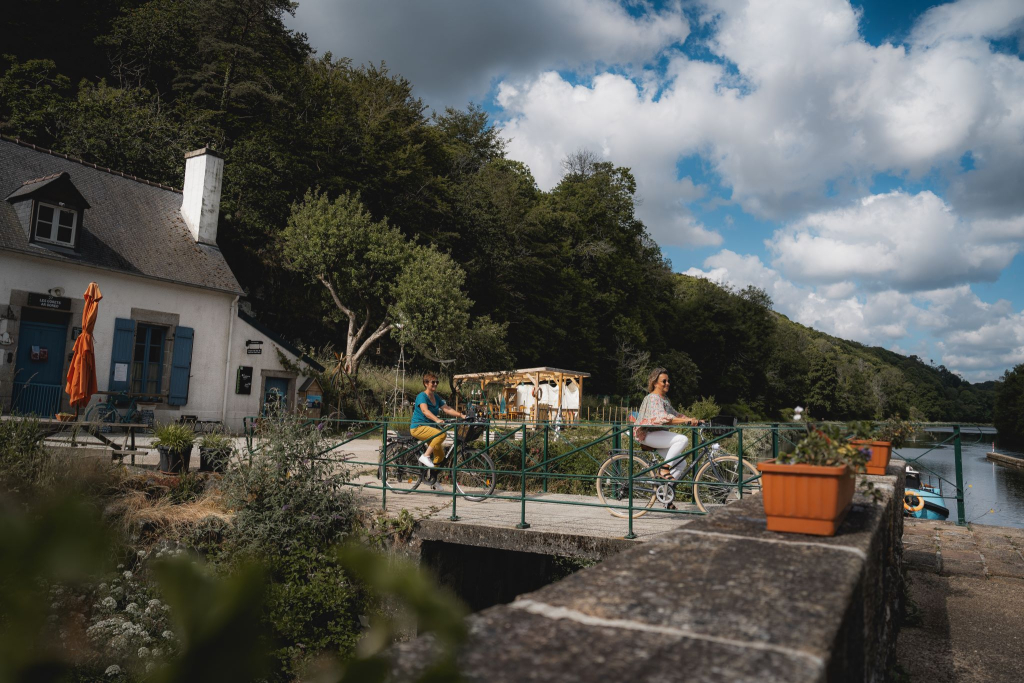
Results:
<point x="669" y="445"/>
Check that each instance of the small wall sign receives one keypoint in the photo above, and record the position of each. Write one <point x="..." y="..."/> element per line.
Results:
<point x="254" y="352"/>
<point x="243" y="380"/>
<point x="120" y="372"/>
<point x="54" y="303"/>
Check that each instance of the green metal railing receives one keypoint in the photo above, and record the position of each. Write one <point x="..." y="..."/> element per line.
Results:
<point x="543" y="459"/>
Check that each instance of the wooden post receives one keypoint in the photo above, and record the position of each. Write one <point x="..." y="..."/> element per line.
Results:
<point x="558" y="410"/>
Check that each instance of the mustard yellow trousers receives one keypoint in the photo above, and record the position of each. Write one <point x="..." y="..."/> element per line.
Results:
<point x="434" y="436"/>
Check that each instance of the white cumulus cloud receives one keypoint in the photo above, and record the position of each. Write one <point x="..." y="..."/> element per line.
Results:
<point x="898" y="240"/>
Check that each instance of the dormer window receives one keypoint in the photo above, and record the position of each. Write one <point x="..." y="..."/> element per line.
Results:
<point x="55" y="225"/>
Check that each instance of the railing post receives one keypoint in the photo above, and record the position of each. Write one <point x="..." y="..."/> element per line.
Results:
<point x="455" y="472"/>
<point x="522" y="513"/>
<point x="775" y="441"/>
<point x="382" y="468"/>
<point x="616" y="436"/>
<point x="630" y="535"/>
<point x="739" y="454"/>
<point x="961" y="517"/>
<point x="545" y="456"/>
<point x="695" y="433"/>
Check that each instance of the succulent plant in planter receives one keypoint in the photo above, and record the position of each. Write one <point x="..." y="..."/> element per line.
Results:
<point x="810" y="490"/>
<point x="881" y="439"/>
<point x="174" y="443"/>
<point x="214" y="452"/>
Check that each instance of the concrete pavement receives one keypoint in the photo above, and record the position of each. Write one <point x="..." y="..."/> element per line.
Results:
<point x="968" y="583"/>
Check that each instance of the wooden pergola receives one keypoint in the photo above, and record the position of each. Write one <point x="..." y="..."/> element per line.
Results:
<point x="512" y="379"/>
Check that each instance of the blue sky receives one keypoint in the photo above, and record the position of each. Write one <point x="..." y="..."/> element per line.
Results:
<point x="863" y="162"/>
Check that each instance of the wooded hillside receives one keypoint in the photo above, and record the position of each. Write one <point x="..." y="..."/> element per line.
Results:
<point x="568" y="277"/>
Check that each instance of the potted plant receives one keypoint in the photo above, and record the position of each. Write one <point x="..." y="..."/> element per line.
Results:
<point x="174" y="443"/>
<point x="810" y="490"/>
<point x="881" y="439"/>
<point x="214" y="451"/>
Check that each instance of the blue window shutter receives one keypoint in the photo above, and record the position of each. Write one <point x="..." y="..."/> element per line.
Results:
<point x="181" y="366"/>
<point x="124" y="343"/>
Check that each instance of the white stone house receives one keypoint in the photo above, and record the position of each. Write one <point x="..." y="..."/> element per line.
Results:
<point x="169" y="324"/>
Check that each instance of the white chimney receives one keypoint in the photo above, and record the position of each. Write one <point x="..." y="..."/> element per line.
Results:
<point x="200" y="202"/>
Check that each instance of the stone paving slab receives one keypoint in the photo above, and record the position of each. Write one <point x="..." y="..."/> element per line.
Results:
<point x="970" y="591"/>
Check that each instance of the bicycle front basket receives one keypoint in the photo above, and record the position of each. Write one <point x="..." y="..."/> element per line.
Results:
<point x="721" y="424"/>
<point x="469" y="433"/>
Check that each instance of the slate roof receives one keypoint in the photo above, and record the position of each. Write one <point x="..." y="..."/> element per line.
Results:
<point x="133" y="226"/>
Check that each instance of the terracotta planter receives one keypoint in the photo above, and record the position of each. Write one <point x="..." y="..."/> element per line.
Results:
<point x="173" y="462"/>
<point x="881" y="451"/>
<point x="806" y="499"/>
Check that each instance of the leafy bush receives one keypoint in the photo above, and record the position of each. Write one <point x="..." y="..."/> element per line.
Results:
<point x="703" y="409"/>
<point x="896" y="431"/>
<point x="22" y="456"/>
<point x="292" y="507"/>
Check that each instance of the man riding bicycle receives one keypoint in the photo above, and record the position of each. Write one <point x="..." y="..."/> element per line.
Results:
<point x="425" y="417"/>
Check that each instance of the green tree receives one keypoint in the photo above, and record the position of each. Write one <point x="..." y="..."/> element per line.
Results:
<point x="32" y="103"/>
<point x="1008" y="411"/>
<point x="370" y="276"/>
<point x="823" y="382"/>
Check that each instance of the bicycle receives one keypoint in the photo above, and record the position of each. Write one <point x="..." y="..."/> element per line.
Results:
<point x="716" y="482"/>
<point x="400" y="471"/>
<point x="107" y="411"/>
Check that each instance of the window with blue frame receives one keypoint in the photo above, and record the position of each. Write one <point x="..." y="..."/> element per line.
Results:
<point x="148" y="359"/>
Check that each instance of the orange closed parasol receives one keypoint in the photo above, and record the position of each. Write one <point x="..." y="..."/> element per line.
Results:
<point x="82" y="373"/>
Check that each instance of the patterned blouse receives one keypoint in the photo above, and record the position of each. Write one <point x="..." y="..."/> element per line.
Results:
<point x="655" y="410"/>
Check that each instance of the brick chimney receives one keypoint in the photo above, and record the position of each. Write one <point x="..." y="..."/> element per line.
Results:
<point x="200" y="203"/>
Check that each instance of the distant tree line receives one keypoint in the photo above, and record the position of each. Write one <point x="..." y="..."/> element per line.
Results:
<point x="568" y="277"/>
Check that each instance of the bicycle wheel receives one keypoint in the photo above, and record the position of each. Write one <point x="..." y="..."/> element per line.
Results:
<point x="101" y="412"/>
<point x="717" y="481"/>
<point x="613" y="485"/>
<point x="398" y="471"/>
<point x="476" y="482"/>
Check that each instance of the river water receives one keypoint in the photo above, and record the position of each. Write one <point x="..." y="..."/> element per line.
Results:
<point x="994" y="493"/>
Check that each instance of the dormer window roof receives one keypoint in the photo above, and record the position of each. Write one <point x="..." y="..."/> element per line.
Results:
<point x="56" y="212"/>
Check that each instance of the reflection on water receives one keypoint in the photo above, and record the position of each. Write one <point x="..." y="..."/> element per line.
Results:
<point x="994" y="493"/>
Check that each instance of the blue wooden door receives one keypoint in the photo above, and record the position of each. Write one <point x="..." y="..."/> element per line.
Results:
<point x="39" y="372"/>
<point x="275" y="394"/>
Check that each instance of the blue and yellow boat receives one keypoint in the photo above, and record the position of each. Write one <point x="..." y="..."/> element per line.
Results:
<point x="922" y="500"/>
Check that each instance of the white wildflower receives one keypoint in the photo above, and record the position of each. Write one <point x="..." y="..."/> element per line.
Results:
<point x="154" y="603"/>
<point x="131" y="608"/>
<point x="143" y="652"/>
<point x="127" y="575"/>
<point x="120" y="567"/>
<point x="157" y="652"/>
<point x="113" y="670"/>
<point x="118" y="643"/>
<point x="108" y="603"/>
<point x="168" y="635"/>
<point x="102" y="587"/>
<point x="149" y="666"/>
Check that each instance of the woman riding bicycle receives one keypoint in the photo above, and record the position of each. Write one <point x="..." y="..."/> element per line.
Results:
<point x="425" y="415"/>
<point x="656" y="412"/>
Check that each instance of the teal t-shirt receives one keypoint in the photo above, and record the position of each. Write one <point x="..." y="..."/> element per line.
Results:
<point x="418" y="418"/>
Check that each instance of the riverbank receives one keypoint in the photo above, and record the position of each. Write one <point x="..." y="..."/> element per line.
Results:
<point x="1007" y="460"/>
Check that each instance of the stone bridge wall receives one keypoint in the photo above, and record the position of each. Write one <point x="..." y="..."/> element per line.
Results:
<point x="721" y="599"/>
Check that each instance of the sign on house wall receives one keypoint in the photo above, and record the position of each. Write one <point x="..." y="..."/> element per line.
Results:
<point x="243" y="380"/>
<point x="54" y="303"/>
